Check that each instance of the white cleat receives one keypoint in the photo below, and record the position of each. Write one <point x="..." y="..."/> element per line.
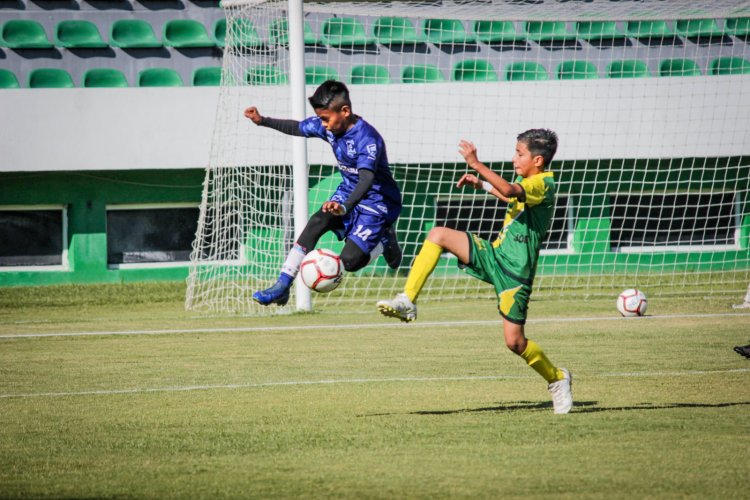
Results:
<point x="400" y="307"/>
<point x="562" y="393"/>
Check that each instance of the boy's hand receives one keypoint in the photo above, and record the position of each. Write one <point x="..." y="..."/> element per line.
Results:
<point x="469" y="151"/>
<point x="254" y="115"/>
<point x="469" y="180"/>
<point x="334" y="207"/>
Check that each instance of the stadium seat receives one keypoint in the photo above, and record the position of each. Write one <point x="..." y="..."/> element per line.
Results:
<point x="648" y="30"/>
<point x="279" y="33"/>
<point x="132" y="34"/>
<point x="104" y="77"/>
<point x="315" y="75"/>
<point x="246" y="34"/>
<point x="345" y="32"/>
<point x="159" y="77"/>
<point x="496" y="32"/>
<point x="629" y="68"/>
<point x="186" y="33"/>
<point x="598" y="30"/>
<point x="525" y="71"/>
<point x="209" y="76"/>
<point x="679" y="67"/>
<point x="369" y="73"/>
<point x="266" y="75"/>
<point x="421" y="74"/>
<point x="576" y="70"/>
<point x="446" y="32"/>
<point x="548" y="31"/>
<point x="50" y="78"/>
<point x="737" y="26"/>
<point x="698" y="28"/>
<point x="25" y="34"/>
<point x="8" y="79"/>
<point x="395" y="30"/>
<point x="474" y="70"/>
<point x="729" y="66"/>
<point x="78" y="34"/>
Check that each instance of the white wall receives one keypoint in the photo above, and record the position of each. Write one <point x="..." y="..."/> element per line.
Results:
<point x="162" y="128"/>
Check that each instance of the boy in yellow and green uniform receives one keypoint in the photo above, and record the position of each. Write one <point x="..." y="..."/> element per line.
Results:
<point x="509" y="263"/>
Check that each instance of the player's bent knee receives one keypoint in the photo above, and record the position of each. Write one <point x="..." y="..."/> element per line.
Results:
<point x="354" y="260"/>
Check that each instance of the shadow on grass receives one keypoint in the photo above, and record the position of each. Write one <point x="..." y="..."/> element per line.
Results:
<point x="579" y="407"/>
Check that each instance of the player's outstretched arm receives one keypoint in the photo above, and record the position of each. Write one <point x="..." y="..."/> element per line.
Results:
<point x="504" y="188"/>
<point x="475" y="182"/>
<point x="288" y="127"/>
<point x="254" y="115"/>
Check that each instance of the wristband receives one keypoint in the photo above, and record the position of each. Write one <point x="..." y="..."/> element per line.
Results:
<point x="487" y="186"/>
<point x="344" y="207"/>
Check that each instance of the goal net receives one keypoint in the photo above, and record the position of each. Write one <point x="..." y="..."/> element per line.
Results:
<point x="650" y="100"/>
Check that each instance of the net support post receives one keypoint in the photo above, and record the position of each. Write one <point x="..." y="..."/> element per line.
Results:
<point x="299" y="144"/>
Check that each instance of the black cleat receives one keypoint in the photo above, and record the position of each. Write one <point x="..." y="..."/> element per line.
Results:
<point x="391" y="249"/>
<point x="743" y="350"/>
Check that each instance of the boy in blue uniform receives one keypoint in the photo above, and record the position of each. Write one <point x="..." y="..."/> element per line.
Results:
<point x="366" y="204"/>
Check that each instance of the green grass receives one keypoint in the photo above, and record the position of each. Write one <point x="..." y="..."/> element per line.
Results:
<point x="186" y="406"/>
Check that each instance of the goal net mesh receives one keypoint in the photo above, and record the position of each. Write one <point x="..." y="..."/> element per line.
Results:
<point x="650" y="100"/>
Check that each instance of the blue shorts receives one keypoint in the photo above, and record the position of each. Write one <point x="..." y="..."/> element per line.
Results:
<point x="365" y="225"/>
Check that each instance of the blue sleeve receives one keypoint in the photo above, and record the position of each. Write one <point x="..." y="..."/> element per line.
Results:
<point x="312" y="127"/>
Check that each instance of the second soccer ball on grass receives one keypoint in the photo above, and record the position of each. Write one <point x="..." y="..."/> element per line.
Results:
<point x="632" y="302"/>
<point x="321" y="270"/>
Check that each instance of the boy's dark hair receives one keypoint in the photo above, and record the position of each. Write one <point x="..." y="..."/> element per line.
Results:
<point x="541" y="142"/>
<point x="332" y="95"/>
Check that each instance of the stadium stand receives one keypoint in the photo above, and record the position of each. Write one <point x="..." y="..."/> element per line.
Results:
<point x="496" y="32"/>
<point x="133" y="34"/>
<point x="525" y="71"/>
<point x="8" y="79"/>
<point x="421" y="73"/>
<point x="315" y="75"/>
<point x="369" y="73"/>
<point x="186" y="33"/>
<point x="78" y="34"/>
<point x="474" y="70"/>
<point x="576" y="70"/>
<point x="345" y="32"/>
<point x="207" y="77"/>
<point x="25" y="34"/>
<point x="629" y="68"/>
<point x="266" y="75"/>
<point x="50" y="78"/>
<point x="446" y="31"/>
<point x="159" y="77"/>
<point x="395" y="30"/>
<point x="679" y="67"/>
<point x="104" y="77"/>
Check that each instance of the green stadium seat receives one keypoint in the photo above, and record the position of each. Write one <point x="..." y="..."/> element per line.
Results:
<point x="628" y="68"/>
<point x="496" y="32"/>
<point x="266" y="75"/>
<point x="548" y="31"/>
<point x="737" y="26"/>
<point x="159" y="77"/>
<point x="50" y="78"/>
<point x="395" y="30"/>
<point x="525" y="71"/>
<point x="648" y="30"/>
<point x="729" y="66"/>
<point x="418" y="73"/>
<point x="474" y="70"/>
<point x="186" y="33"/>
<point x="25" y="34"/>
<point x="598" y="30"/>
<point x="679" y="67"/>
<point x="132" y="34"/>
<point x="279" y="33"/>
<point x="369" y="73"/>
<point x="210" y="76"/>
<point x="246" y="34"/>
<point x="698" y="28"/>
<point x="446" y="32"/>
<point x="315" y="75"/>
<point x="8" y="79"/>
<point x="104" y="77"/>
<point x="78" y="34"/>
<point x="345" y="32"/>
<point x="576" y="70"/>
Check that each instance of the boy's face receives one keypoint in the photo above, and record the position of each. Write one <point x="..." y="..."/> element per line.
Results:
<point x="524" y="163"/>
<point x="336" y="122"/>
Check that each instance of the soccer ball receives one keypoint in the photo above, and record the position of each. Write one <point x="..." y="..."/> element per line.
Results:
<point x="632" y="302"/>
<point x="321" y="270"/>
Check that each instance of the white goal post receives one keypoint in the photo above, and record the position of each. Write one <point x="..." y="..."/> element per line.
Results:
<point x="651" y="101"/>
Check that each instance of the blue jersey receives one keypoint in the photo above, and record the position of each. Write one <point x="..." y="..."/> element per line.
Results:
<point x="361" y="147"/>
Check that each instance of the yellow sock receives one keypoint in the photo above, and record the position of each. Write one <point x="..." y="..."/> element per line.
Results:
<point x="535" y="358"/>
<point x="421" y="269"/>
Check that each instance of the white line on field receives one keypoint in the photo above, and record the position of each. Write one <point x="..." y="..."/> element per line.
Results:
<point x="358" y="326"/>
<point x="110" y="392"/>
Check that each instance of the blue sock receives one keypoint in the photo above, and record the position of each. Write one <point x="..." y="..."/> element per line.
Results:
<point x="286" y="279"/>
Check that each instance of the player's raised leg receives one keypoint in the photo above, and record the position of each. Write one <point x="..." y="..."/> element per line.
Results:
<point x="403" y="306"/>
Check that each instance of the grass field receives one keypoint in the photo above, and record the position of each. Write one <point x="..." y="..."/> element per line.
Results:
<point x="117" y="392"/>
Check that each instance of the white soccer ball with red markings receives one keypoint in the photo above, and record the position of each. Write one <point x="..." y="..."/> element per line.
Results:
<point x="632" y="302"/>
<point x="321" y="270"/>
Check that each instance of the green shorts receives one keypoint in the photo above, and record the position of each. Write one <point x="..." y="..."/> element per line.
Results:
<point x="512" y="295"/>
